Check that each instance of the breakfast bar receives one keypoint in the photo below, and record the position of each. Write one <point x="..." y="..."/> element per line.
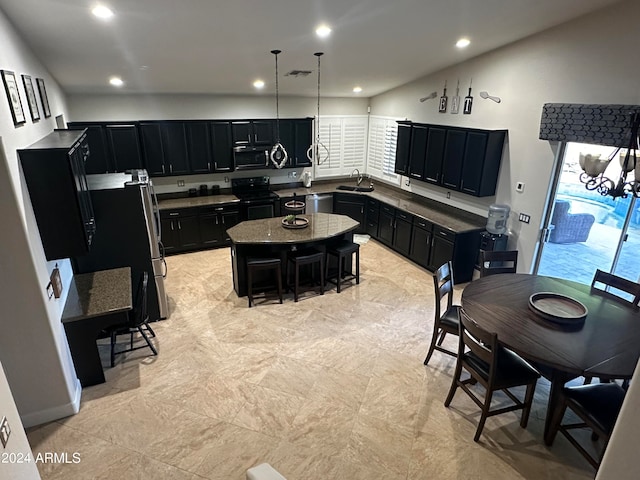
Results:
<point x="270" y="237"/>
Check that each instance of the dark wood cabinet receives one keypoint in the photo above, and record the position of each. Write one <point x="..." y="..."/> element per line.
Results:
<point x="180" y="230"/>
<point x="54" y="172"/>
<point x="402" y="232"/>
<point x="199" y="147"/>
<point x="124" y="145"/>
<point x="452" y="159"/>
<point x="434" y="155"/>
<point x="421" y="241"/>
<point x="481" y="163"/>
<point x="372" y="216"/>
<point x="296" y="136"/>
<point x="352" y="206"/>
<point x="100" y="160"/>
<point x="462" y="159"/>
<point x="221" y="146"/>
<point x="417" y="151"/>
<point x="258" y="133"/>
<point x="164" y="146"/>
<point x="385" y="224"/>
<point x="214" y="222"/>
<point x="403" y="148"/>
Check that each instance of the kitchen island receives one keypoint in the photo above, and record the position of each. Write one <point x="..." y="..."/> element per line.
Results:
<point x="267" y="237"/>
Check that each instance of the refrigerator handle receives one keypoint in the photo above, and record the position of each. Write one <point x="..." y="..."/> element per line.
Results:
<point x="156" y="211"/>
<point x="164" y="264"/>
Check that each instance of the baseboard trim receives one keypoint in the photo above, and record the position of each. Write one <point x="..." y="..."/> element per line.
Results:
<point x="54" y="413"/>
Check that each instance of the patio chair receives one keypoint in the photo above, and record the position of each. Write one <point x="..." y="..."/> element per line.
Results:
<point x="569" y="227"/>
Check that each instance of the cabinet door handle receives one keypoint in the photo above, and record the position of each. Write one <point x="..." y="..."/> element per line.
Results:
<point x="171" y="168"/>
<point x="163" y="168"/>
<point x="209" y="166"/>
<point x="215" y="165"/>
<point x="223" y="220"/>
<point x="266" y="158"/>
<point x="361" y="210"/>
<point x="179" y="225"/>
<point x="248" y="138"/>
<point x="172" y="229"/>
<point x="255" y="137"/>
<point x="217" y="220"/>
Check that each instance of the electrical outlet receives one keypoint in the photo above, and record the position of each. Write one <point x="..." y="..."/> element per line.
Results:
<point x="5" y="432"/>
<point x="448" y="194"/>
<point x="407" y="182"/>
<point x="181" y="183"/>
<point x="524" y="218"/>
<point x="226" y="179"/>
<point x="520" y="187"/>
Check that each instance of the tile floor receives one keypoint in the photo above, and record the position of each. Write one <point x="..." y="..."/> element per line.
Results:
<point x="331" y="387"/>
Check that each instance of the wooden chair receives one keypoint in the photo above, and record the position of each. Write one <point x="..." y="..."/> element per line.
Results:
<point x="619" y="285"/>
<point x="138" y="323"/>
<point x="598" y="406"/>
<point x="495" y="368"/>
<point x="446" y="321"/>
<point x="500" y="261"/>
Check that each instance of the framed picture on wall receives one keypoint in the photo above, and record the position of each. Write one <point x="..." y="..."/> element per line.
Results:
<point x="15" y="105"/>
<point x="31" y="97"/>
<point x="43" y="97"/>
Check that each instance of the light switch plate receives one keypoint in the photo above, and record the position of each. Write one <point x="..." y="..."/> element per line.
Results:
<point x="524" y="218"/>
<point x="5" y="432"/>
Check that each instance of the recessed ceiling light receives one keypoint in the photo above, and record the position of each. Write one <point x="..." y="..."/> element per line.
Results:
<point x="357" y="89"/>
<point x="116" y="81"/>
<point x="323" y="31"/>
<point x="258" y="84"/>
<point x="463" y="43"/>
<point x="102" y="12"/>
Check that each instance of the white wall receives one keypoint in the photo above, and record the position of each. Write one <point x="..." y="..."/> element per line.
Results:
<point x="33" y="346"/>
<point x="589" y="60"/>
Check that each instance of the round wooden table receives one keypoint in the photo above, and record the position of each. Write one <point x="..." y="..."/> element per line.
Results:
<point x="607" y="344"/>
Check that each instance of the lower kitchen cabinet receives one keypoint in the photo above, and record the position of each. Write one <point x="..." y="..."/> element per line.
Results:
<point x="372" y="217"/>
<point x="402" y="232"/>
<point x="352" y="206"/>
<point x="214" y="222"/>
<point x="385" y="224"/>
<point x="421" y="242"/>
<point x="180" y="230"/>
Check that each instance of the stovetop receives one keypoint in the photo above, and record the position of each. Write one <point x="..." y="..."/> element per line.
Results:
<point x="252" y="188"/>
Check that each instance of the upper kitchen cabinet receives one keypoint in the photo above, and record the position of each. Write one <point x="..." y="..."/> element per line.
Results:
<point x="462" y="159"/>
<point x="113" y="147"/>
<point x="296" y="136"/>
<point x="417" y="151"/>
<point x="164" y="146"/>
<point x="54" y="172"/>
<point x="481" y="164"/>
<point x="124" y="146"/>
<point x="252" y="133"/>
<point x="403" y="148"/>
<point x="221" y="146"/>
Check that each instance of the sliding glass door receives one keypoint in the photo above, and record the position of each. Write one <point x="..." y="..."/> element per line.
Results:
<point x="585" y="230"/>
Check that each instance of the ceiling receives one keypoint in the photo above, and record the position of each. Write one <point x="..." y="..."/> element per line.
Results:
<point x="221" y="47"/>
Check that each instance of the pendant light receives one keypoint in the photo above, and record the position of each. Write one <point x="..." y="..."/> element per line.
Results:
<point x="314" y="150"/>
<point x="278" y="153"/>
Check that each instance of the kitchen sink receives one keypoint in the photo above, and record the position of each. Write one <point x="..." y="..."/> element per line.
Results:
<point x="353" y="188"/>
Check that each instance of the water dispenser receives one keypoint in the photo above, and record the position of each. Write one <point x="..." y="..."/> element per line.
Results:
<point x="497" y="220"/>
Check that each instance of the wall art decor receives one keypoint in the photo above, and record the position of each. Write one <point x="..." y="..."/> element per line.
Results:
<point x="43" y="97"/>
<point x="468" y="101"/>
<point x="31" y="98"/>
<point x="442" y="107"/>
<point x="455" y="100"/>
<point x="15" y="105"/>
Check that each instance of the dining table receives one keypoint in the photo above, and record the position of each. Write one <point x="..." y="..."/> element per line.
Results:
<point x="605" y="343"/>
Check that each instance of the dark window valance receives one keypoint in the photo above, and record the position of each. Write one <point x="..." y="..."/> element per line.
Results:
<point x="608" y="125"/>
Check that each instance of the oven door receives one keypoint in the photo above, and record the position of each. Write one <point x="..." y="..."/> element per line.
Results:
<point x="260" y="209"/>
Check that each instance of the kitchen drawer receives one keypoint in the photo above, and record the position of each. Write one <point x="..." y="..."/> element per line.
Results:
<point x="211" y="209"/>
<point x="442" y="232"/>
<point x="404" y="215"/>
<point x="178" y="212"/>
<point x="422" y="223"/>
<point x="387" y="209"/>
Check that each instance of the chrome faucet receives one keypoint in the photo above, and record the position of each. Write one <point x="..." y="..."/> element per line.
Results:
<point x="359" y="180"/>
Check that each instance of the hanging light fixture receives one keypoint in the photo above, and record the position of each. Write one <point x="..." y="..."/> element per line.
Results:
<point x="314" y="150"/>
<point x="594" y="167"/>
<point x="278" y="153"/>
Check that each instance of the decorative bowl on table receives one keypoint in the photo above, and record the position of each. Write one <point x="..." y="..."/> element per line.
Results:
<point x="293" y="222"/>
<point x="558" y="308"/>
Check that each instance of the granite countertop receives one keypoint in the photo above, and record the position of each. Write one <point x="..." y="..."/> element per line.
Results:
<point x="270" y="230"/>
<point x="189" y="202"/>
<point x="98" y="293"/>
<point x="443" y="215"/>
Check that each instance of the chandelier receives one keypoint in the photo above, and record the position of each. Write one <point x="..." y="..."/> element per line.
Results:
<point x="594" y="167"/>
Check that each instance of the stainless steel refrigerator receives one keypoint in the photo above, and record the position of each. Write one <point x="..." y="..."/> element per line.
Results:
<point x="127" y="233"/>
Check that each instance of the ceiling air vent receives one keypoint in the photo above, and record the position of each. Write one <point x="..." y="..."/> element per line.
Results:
<point x="298" y="73"/>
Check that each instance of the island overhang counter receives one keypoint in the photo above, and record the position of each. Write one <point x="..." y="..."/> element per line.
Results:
<point x="267" y="237"/>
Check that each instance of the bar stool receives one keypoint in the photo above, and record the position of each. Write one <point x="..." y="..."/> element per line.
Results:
<point x="255" y="264"/>
<point x="342" y="251"/>
<point x="305" y="257"/>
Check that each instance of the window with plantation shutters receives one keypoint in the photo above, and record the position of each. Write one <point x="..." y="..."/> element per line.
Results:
<point x="381" y="155"/>
<point x="345" y="138"/>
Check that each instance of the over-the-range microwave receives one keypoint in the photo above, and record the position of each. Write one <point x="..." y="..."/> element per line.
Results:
<point x="250" y="157"/>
